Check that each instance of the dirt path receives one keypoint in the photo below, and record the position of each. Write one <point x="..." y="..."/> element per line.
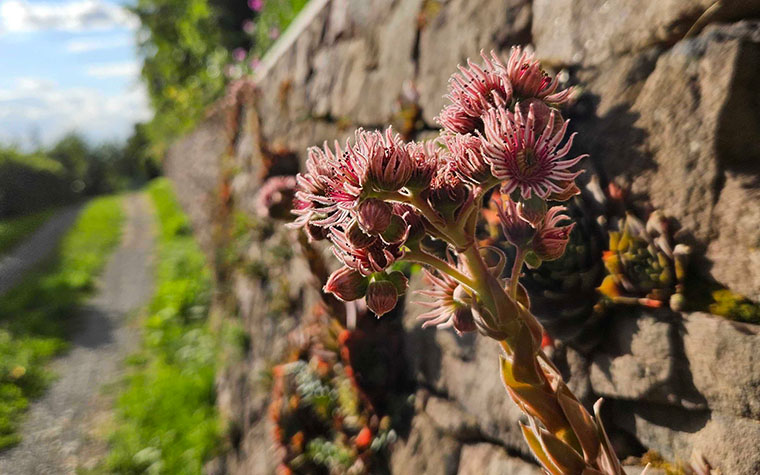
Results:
<point x="58" y="426"/>
<point x="36" y="248"/>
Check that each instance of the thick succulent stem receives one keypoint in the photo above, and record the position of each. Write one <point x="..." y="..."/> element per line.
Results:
<point x="563" y="435"/>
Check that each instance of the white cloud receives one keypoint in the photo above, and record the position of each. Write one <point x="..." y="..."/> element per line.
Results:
<point x="19" y="16"/>
<point x="110" y="70"/>
<point x="85" y="45"/>
<point x="42" y="105"/>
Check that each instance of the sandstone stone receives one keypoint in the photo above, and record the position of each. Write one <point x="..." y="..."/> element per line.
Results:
<point x="727" y="443"/>
<point x="590" y="31"/>
<point x="735" y="252"/>
<point x="723" y="361"/>
<point x="455" y="30"/>
<point x="449" y="417"/>
<point x="636" y="361"/>
<point x="425" y="450"/>
<point x="466" y="370"/>
<point x="489" y="459"/>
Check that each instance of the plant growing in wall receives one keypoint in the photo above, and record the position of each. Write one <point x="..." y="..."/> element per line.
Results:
<point x="379" y="200"/>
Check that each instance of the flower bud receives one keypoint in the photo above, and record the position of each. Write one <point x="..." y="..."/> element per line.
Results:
<point x="347" y="284"/>
<point x="543" y="114"/>
<point x="395" y="232"/>
<point x="463" y="320"/>
<point x="414" y="222"/>
<point x="449" y="195"/>
<point x="315" y="233"/>
<point x="382" y="297"/>
<point x="517" y="229"/>
<point x="389" y="166"/>
<point x="467" y="158"/>
<point x="374" y="215"/>
<point x="358" y="238"/>
<point x="425" y="161"/>
<point x="399" y="280"/>
<point x="551" y="240"/>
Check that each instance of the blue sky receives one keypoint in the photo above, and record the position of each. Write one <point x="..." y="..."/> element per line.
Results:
<point x="68" y="65"/>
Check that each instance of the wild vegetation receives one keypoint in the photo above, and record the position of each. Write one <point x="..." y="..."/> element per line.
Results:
<point x="35" y="316"/>
<point x="167" y="422"/>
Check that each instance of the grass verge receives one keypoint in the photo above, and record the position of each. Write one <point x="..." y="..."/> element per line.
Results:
<point x="13" y="230"/>
<point x="34" y="315"/>
<point x="166" y="417"/>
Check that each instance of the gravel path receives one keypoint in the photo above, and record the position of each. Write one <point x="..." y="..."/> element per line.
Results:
<point x="57" y="433"/>
<point x="37" y="247"/>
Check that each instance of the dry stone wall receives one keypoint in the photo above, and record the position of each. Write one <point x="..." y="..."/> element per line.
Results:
<point x="670" y="108"/>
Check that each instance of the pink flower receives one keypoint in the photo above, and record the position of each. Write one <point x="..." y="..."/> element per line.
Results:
<point x="450" y="307"/>
<point x="249" y="27"/>
<point x="467" y="158"/>
<point x="275" y="198"/>
<point x="255" y="63"/>
<point x="256" y="5"/>
<point x="274" y="33"/>
<point x="332" y="185"/>
<point x="448" y="194"/>
<point x="523" y="159"/>
<point x="551" y="239"/>
<point x="529" y="80"/>
<point x="425" y="160"/>
<point x="472" y="92"/>
<point x="389" y="166"/>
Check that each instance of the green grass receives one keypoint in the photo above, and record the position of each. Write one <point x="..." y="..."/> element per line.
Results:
<point x="34" y="315"/>
<point x="13" y="230"/>
<point x="166" y="417"/>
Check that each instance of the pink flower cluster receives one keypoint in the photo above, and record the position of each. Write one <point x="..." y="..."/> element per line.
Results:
<point x="375" y="198"/>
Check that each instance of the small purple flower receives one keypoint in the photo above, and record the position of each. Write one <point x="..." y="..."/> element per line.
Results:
<point x="256" y="5"/>
<point x="249" y="27"/>
<point x="274" y="33"/>
<point x="525" y="160"/>
<point x="239" y="54"/>
<point x="255" y="63"/>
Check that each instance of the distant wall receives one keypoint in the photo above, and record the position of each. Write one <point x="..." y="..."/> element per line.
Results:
<point x="674" y="117"/>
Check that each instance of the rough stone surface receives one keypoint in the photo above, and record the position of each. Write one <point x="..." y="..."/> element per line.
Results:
<point x="441" y="452"/>
<point x="723" y="360"/>
<point x="638" y="359"/>
<point x="674" y="116"/>
<point x="489" y="459"/>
